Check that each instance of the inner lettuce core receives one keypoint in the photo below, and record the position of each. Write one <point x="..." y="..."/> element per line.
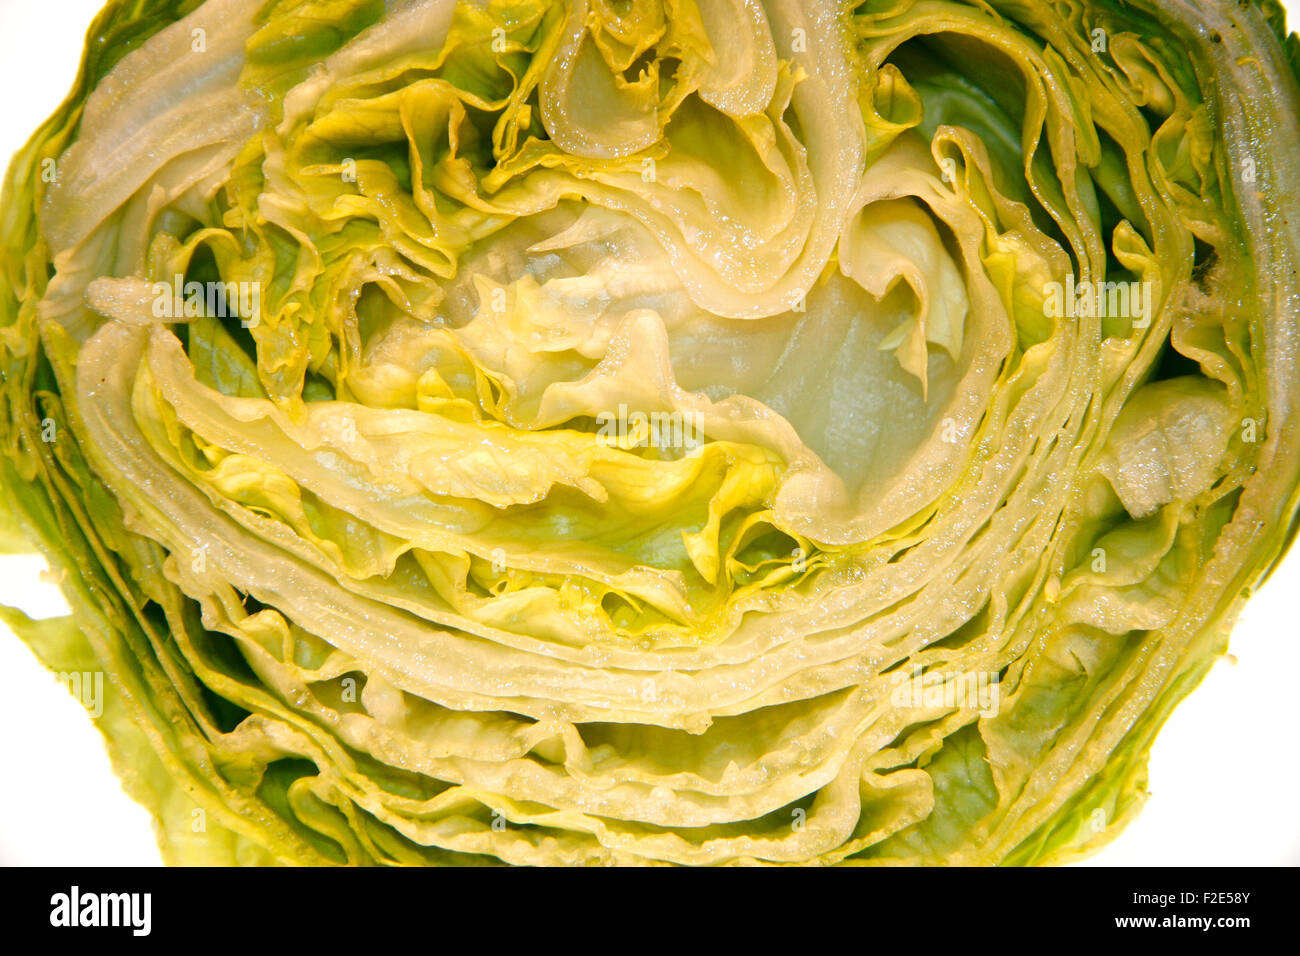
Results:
<point x="652" y="431"/>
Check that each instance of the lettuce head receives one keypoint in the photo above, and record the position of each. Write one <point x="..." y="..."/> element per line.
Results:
<point x="652" y="431"/>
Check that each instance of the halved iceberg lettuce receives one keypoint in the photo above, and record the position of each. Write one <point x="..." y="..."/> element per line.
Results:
<point x="653" y="431"/>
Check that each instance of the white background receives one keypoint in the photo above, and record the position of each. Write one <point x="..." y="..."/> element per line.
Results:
<point x="1224" y="773"/>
